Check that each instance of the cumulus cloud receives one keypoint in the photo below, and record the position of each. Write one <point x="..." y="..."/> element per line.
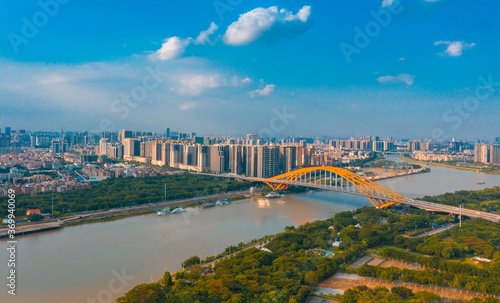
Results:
<point x="266" y="91"/>
<point x="401" y="78"/>
<point x="455" y="48"/>
<point x="172" y="48"/>
<point x="254" y="24"/>
<point x="204" y="36"/>
<point x="248" y="28"/>
<point x="196" y="84"/>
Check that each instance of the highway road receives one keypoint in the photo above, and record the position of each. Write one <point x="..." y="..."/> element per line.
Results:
<point x="429" y="206"/>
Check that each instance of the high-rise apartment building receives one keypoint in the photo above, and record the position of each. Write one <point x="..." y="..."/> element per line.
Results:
<point x="495" y="154"/>
<point x="203" y="157"/>
<point x="131" y="147"/>
<point x="237" y="159"/>
<point x="288" y="158"/>
<point x="190" y="155"/>
<point x="219" y="158"/>
<point x="251" y="161"/>
<point x="176" y="150"/>
<point x="165" y="153"/>
<point x="482" y="153"/>
<point x="267" y="161"/>
<point x="156" y="152"/>
<point x="103" y="146"/>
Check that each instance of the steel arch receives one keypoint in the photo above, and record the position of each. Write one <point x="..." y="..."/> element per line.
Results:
<point x="379" y="195"/>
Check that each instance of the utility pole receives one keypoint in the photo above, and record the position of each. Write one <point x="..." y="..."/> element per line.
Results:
<point x="165" y="195"/>
<point x="460" y="215"/>
<point x="52" y="200"/>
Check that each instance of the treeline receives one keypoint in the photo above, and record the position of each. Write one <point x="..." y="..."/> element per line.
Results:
<point x="453" y="267"/>
<point x="475" y="237"/>
<point x="381" y="294"/>
<point x="390" y="164"/>
<point x="117" y="192"/>
<point x="485" y="199"/>
<point x="432" y="277"/>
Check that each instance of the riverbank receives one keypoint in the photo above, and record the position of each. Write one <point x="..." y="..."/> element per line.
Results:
<point x="481" y="170"/>
<point x="126" y="212"/>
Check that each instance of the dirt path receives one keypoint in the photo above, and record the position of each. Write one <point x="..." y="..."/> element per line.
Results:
<point x="343" y="281"/>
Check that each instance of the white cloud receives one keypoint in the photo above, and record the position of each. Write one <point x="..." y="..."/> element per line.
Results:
<point x="237" y="81"/>
<point x="171" y="49"/>
<point x="455" y="48"/>
<point x="187" y="105"/>
<point x="386" y="3"/>
<point x="174" y="47"/>
<point x="204" y="36"/>
<point x="401" y="59"/>
<point x="254" y="24"/>
<point x="266" y="91"/>
<point x="401" y="78"/>
<point x="196" y="84"/>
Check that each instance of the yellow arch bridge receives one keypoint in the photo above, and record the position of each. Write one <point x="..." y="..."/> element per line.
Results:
<point x="341" y="180"/>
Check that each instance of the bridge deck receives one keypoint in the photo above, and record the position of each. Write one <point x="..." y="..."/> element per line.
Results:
<point x="428" y="206"/>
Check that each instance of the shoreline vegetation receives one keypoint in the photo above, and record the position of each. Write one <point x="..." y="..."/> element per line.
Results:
<point x="107" y="218"/>
<point x="103" y="216"/>
<point x="296" y="261"/>
<point x="125" y="192"/>
<point x="484" y="170"/>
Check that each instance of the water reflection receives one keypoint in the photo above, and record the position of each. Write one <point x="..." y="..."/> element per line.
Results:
<point x="264" y="203"/>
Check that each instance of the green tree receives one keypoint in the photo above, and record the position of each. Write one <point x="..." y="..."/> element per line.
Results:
<point x="425" y="296"/>
<point x="402" y="291"/>
<point x="144" y="293"/>
<point x="56" y="214"/>
<point x="34" y="217"/>
<point x="194" y="260"/>
<point x="167" y="279"/>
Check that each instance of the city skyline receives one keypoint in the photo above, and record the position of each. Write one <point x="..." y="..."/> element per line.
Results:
<point x="328" y="68"/>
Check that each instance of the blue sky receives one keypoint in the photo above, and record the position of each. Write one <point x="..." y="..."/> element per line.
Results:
<point x="423" y="69"/>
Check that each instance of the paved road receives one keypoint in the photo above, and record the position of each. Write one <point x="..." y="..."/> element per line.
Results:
<point x="435" y="231"/>
<point x="256" y="245"/>
<point x="429" y="206"/>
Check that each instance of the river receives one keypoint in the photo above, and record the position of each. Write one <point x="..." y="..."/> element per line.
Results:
<point x="80" y="263"/>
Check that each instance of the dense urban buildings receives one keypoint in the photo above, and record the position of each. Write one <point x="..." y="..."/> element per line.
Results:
<point x="43" y="161"/>
<point x="487" y="153"/>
